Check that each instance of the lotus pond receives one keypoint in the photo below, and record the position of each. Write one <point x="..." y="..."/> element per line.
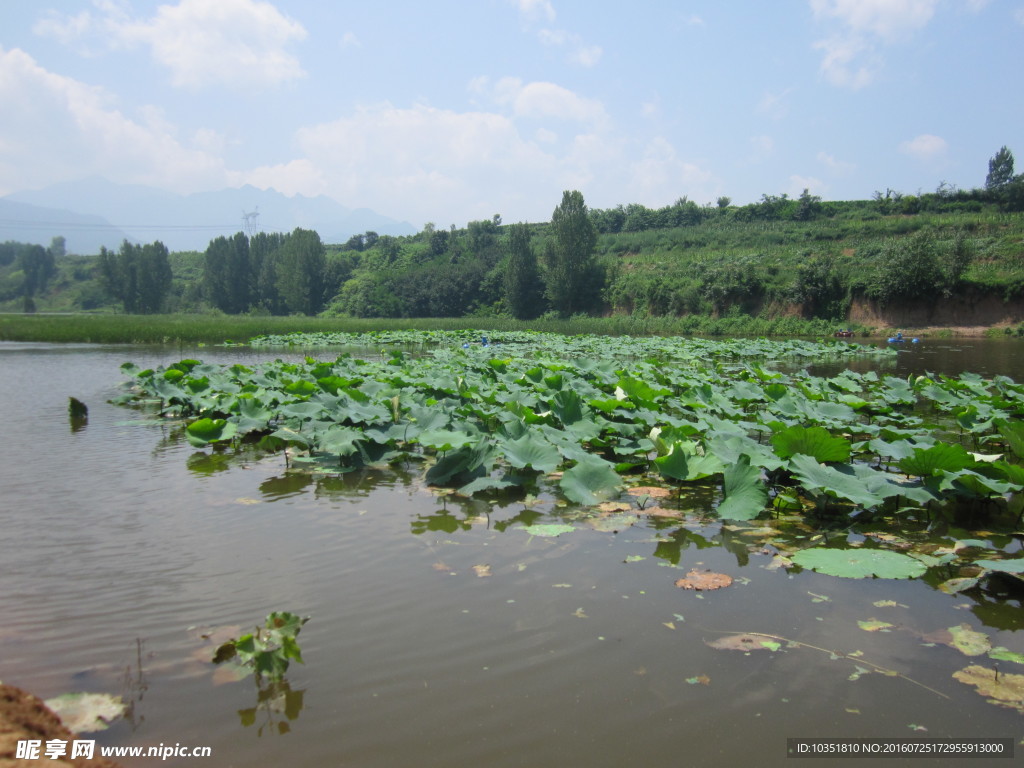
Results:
<point x="539" y="551"/>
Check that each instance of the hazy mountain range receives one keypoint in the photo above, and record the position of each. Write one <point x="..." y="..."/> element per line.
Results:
<point x="95" y="212"/>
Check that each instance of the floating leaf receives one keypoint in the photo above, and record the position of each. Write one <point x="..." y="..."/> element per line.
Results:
<point x="1003" y="654"/>
<point x="654" y="492"/>
<point x="1003" y="566"/>
<point x="548" y="530"/>
<point x="699" y="679"/>
<point x="1002" y="689"/>
<point x="86" y="712"/>
<point x="954" y="586"/>
<point x="969" y="642"/>
<point x="482" y="571"/>
<point x="744" y="642"/>
<point x="860" y="563"/>
<point x="874" y="625"/>
<point x="704" y="580"/>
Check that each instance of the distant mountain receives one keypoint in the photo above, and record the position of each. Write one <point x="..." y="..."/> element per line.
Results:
<point x="189" y="222"/>
<point x="83" y="233"/>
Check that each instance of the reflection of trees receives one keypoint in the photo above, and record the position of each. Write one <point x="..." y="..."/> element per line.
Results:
<point x="671" y="549"/>
<point x="283" y="486"/>
<point x="1000" y="611"/>
<point x="273" y="700"/>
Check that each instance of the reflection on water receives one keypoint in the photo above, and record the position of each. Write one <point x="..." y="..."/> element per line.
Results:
<point x="444" y="632"/>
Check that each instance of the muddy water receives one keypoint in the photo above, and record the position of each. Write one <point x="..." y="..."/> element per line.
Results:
<point x="442" y="635"/>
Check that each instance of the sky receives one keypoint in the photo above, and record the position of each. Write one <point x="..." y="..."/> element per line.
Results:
<point x="455" y="110"/>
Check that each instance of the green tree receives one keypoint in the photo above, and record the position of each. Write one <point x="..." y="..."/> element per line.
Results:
<point x="227" y="274"/>
<point x="1000" y="169"/>
<point x="300" y="272"/>
<point x="569" y="256"/>
<point x="139" y="276"/>
<point x="523" y="290"/>
<point x="38" y="265"/>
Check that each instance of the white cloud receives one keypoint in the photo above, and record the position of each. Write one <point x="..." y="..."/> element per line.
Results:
<point x="1018" y="16"/>
<point x="660" y="175"/>
<point x="797" y="185"/>
<point x="546" y="100"/>
<point x="839" y="64"/>
<point x="925" y="147"/>
<point x="582" y="54"/>
<point x="886" y="18"/>
<point x="761" y="147"/>
<point x="839" y="167"/>
<point x="774" y="105"/>
<point x="201" y="42"/>
<point x="974" y="6"/>
<point x="56" y="129"/>
<point x="349" y="40"/>
<point x="850" y="55"/>
<point x="535" y="9"/>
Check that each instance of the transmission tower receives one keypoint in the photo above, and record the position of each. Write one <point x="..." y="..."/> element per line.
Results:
<point x="251" y="221"/>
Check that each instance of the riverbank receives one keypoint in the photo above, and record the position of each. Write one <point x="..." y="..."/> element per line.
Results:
<point x="218" y="329"/>
<point x="23" y="717"/>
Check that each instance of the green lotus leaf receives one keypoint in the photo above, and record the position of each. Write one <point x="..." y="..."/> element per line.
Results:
<point x="591" y="481"/>
<point x="340" y="441"/>
<point x="818" y="478"/>
<point x="745" y="494"/>
<point x="925" y="462"/>
<point x="548" y="530"/>
<point x="859" y="563"/>
<point x="1003" y="566"/>
<point x="815" y="442"/>
<point x="205" y="431"/>
<point x="443" y="439"/>
<point x="1013" y="433"/>
<point x="531" y="451"/>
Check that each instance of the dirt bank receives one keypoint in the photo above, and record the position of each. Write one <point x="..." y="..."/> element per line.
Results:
<point x="969" y="310"/>
<point x="24" y="716"/>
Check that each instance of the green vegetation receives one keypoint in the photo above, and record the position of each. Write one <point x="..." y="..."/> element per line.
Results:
<point x="215" y="329"/>
<point x="267" y="651"/>
<point x="776" y="258"/>
<point x="712" y="418"/>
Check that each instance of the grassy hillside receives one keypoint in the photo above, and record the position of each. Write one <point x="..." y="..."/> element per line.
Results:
<point x="780" y="258"/>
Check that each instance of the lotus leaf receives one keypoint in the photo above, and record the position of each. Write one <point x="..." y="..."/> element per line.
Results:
<point x="704" y="580"/>
<point x="1003" y="566"/>
<point x="816" y="442"/>
<point x="591" y="481"/>
<point x="87" y="712"/>
<point x="859" y="563"/>
<point x="205" y="431"/>
<point x="745" y="494"/>
<point x="549" y="530"/>
<point x="745" y="643"/>
<point x="942" y="456"/>
<point x="1002" y="689"/>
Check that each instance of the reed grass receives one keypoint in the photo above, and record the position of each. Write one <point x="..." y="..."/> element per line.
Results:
<point x="217" y="329"/>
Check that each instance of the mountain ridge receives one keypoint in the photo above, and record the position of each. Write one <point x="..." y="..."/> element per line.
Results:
<point x="94" y="212"/>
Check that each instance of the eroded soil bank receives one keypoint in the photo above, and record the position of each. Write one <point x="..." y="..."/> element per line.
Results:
<point x="24" y="716"/>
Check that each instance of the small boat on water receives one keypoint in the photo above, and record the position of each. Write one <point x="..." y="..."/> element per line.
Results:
<point x="843" y="334"/>
<point x="900" y="339"/>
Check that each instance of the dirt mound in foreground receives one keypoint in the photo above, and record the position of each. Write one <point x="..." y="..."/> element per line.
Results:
<point x="24" y="716"/>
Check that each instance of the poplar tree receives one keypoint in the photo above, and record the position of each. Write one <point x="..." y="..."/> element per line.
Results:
<point x="569" y="256"/>
<point x="522" y="276"/>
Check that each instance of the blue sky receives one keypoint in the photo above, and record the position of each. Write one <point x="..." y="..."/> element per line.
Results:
<point x="450" y="111"/>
